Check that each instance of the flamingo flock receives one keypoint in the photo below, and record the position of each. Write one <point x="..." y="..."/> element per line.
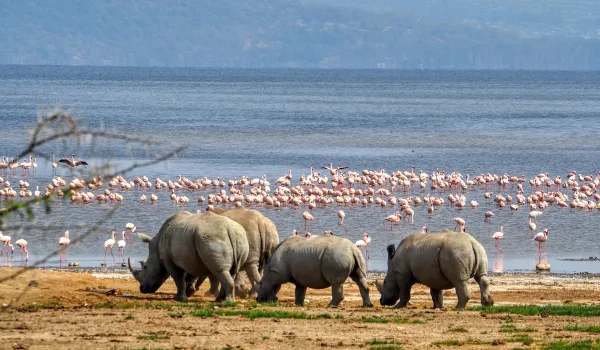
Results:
<point x="402" y="191"/>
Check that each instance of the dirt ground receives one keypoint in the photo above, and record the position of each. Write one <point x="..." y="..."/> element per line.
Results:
<point x="59" y="313"/>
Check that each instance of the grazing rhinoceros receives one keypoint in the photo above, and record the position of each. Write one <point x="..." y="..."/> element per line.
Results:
<point x="193" y="245"/>
<point x="316" y="262"/>
<point x="439" y="261"/>
<point x="262" y="238"/>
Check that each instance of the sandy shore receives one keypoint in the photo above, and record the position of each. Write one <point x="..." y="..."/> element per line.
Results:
<point x="60" y="313"/>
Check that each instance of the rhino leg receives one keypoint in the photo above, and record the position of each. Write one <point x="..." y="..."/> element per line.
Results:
<point x="214" y="286"/>
<point x="438" y="298"/>
<point x="404" y="295"/>
<point x="300" y="295"/>
<point x="179" y="277"/>
<point x="254" y="276"/>
<point x="241" y="289"/>
<point x="484" y="286"/>
<point x="227" y="286"/>
<point x="337" y="294"/>
<point x="190" y="280"/>
<point x="363" y="287"/>
<point x="462" y="292"/>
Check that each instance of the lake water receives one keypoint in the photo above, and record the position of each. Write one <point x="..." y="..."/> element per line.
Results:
<point x="238" y="122"/>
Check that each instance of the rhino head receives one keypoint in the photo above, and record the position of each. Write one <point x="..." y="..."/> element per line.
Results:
<point x="153" y="272"/>
<point x="389" y="290"/>
<point x="267" y="289"/>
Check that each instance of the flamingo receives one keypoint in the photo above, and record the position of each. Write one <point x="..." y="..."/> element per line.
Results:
<point x="143" y="198"/>
<point x="307" y="234"/>
<point x="488" y="216"/>
<point x="460" y="222"/>
<point x="535" y="214"/>
<point x="498" y="236"/>
<point x="22" y="244"/>
<point x="307" y="217"/>
<point x="153" y="198"/>
<point x="541" y="237"/>
<point x="341" y="216"/>
<point x="63" y="244"/>
<point x="333" y="170"/>
<point x="364" y="242"/>
<point x="121" y="244"/>
<point x="394" y="218"/>
<point x="294" y="233"/>
<point x="109" y="243"/>
<point x="532" y="226"/>
<point x="72" y="162"/>
<point x="54" y="165"/>
<point x="131" y="228"/>
<point x="36" y="194"/>
<point x="424" y="229"/>
<point x="6" y="241"/>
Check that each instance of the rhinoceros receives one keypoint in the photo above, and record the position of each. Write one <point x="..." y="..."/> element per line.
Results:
<point x="316" y="262"/>
<point x="262" y="238"/>
<point x="439" y="261"/>
<point x="190" y="246"/>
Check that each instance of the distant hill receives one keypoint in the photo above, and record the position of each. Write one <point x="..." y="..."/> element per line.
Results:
<point x="326" y="34"/>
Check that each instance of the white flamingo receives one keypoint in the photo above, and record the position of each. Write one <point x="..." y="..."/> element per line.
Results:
<point x="497" y="236"/>
<point x="63" y="245"/>
<point x="341" y="216"/>
<point x="364" y="242"/>
<point x="121" y="244"/>
<point x="22" y="244"/>
<point x="109" y="243"/>
<point x="6" y="240"/>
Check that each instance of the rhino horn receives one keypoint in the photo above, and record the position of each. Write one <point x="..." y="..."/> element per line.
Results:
<point x="144" y="237"/>
<point x="133" y="271"/>
<point x="379" y="287"/>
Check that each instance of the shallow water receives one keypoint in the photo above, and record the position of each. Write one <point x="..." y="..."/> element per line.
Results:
<point x="264" y="122"/>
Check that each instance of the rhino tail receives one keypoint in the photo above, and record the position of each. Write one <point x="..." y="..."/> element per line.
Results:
<point x="236" y="264"/>
<point x="359" y="262"/>
<point x="480" y="267"/>
<point x="262" y="235"/>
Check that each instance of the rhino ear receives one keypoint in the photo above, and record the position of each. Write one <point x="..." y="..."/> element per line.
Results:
<point x="144" y="237"/>
<point x="391" y="249"/>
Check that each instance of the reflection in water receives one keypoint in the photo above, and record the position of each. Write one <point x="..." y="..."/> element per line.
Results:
<point x="498" y="266"/>
<point x="542" y="257"/>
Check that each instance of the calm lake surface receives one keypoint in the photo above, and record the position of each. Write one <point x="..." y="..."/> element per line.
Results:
<point x="238" y="122"/>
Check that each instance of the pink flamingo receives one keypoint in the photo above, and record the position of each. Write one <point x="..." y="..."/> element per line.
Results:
<point x="131" y="228"/>
<point x="392" y="219"/>
<point x="541" y="237"/>
<point x="488" y="216"/>
<point x="22" y="244"/>
<point x="424" y="229"/>
<point x="72" y="162"/>
<point x="6" y="241"/>
<point x="460" y="222"/>
<point x="294" y="233"/>
<point x="410" y="214"/>
<point x="364" y="242"/>
<point x="307" y="218"/>
<point x="63" y="245"/>
<point x="341" y="216"/>
<point x="109" y="243"/>
<point x="498" y="236"/>
<point x="307" y="234"/>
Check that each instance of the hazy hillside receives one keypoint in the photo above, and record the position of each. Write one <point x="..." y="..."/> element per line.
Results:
<point x="254" y="33"/>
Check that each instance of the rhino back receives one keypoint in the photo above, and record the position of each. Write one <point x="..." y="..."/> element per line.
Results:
<point x="202" y="243"/>
<point x="316" y="261"/>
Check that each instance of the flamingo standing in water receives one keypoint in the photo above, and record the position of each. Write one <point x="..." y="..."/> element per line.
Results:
<point x="22" y="244"/>
<point x="535" y="214"/>
<point x="498" y="236"/>
<point x="63" y="245"/>
<point x="364" y="242"/>
<point x="109" y="243"/>
<point x="121" y="244"/>
<point x="488" y="216"/>
<point x="532" y="226"/>
<point x="131" y="228"/>
<point x="392" y="219"/>
<point x="460" y="222"/>
<point x="6" y="240"/>
<point x="424" y="229"/>
<point x="307" y="218"/>
<point x="341" y="216"/>
<point x="307" y="234"/>
<point x="54" y="165"/>
<point x="294" y="233"/>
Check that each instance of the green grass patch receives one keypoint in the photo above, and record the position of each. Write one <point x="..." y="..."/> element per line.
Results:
<point x="458" y="330"/>
<point x="454" y="342"/>
<point x="153" y="336"/>
<point x="511" y="328"/>
<point x="449" y="342"/>
<point x="176" y="314"/>
<point x="554" y="310"/>
<point x="339" y="316"/>
<point x="521" y="338"/>
<point x="587" y="344"/>
<point x="252" y="314"/>
<point x="578" y="328"/>
<point x="49" y="305"/>
<point x="265" y="337"/>
<point x="129" y="317"/>
<point x="379" y="344"/>
<point x="229" y="304"/>
<point x="190" y="305"/>
<point x="267" y="303"/>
